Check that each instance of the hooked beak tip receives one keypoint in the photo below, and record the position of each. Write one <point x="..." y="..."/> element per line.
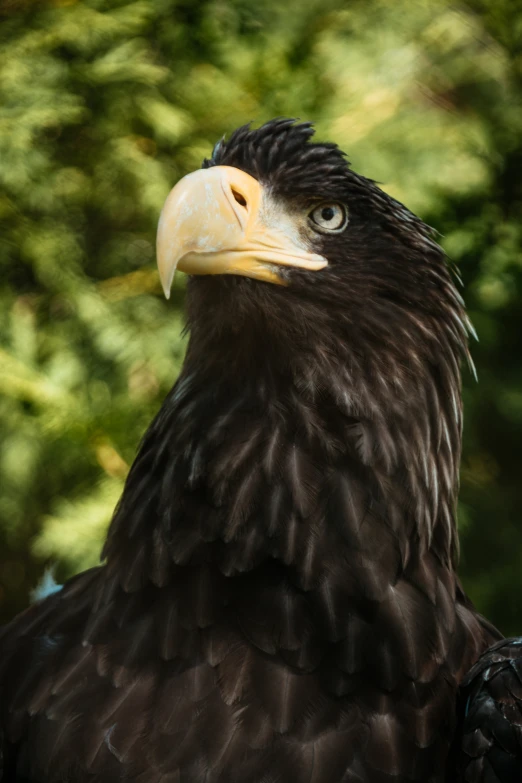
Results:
<point x="166" y="283"/>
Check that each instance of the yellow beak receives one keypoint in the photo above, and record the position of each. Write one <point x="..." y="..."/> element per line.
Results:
<point x="222" y="221"/>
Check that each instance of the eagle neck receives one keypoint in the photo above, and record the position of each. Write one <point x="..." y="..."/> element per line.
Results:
<point x="300" y="447"/>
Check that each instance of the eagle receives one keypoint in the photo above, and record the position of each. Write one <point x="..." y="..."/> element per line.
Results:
<point x="278" y="599"/>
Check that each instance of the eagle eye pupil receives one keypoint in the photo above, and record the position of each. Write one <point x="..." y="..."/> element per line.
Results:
<point x="327" y="213"/>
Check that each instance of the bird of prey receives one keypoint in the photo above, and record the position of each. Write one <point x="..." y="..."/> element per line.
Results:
<point x="278" y="600"/>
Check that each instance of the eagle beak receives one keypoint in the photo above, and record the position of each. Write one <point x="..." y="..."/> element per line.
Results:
<point x="221" y="221"/>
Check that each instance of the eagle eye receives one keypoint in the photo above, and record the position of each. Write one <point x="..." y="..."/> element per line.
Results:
<point x="329" y="217"/>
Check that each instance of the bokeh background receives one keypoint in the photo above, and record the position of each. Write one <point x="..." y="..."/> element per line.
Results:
<point x="104" y="104"/>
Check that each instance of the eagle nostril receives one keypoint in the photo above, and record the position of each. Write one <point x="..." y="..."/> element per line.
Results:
<point x="239" y="198"/>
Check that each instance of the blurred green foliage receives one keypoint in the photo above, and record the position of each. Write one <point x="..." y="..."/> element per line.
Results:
<point x="104" y="104"/>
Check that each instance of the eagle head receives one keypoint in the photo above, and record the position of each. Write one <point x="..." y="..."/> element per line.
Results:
<point x="278" y="228"/>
